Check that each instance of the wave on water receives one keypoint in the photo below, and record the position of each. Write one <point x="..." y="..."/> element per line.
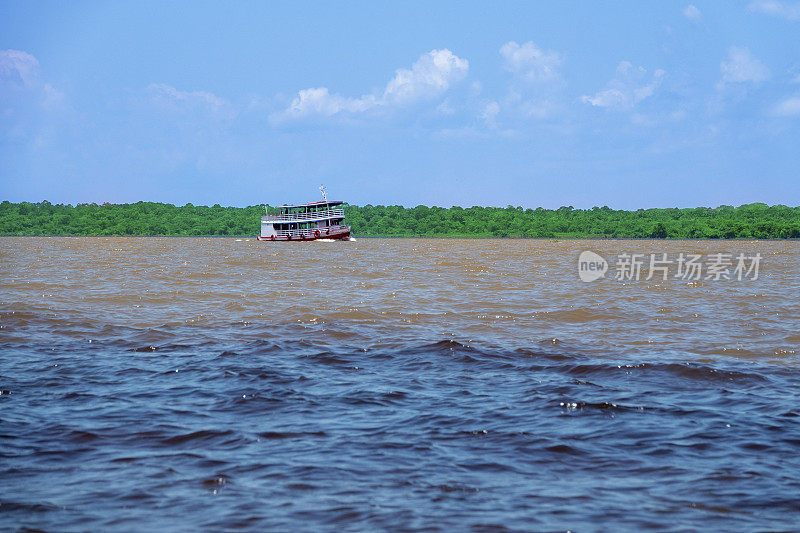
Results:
<point x="418" y="430"/>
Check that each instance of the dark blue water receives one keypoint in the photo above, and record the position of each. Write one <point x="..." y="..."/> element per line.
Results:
<point x="441" y="436"/>
<point x="333" y="422"/>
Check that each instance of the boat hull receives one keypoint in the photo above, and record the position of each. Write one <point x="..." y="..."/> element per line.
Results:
<point x="333" y="235"/>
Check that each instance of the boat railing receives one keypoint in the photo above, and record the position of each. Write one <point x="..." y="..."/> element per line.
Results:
<point x="308" y="232"/>
<point x="314" y="215"/>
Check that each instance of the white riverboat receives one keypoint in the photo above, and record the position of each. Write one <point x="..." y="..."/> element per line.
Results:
<point x="305" y="222"/>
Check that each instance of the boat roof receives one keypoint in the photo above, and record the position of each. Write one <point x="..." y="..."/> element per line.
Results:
<point x="311" y="204"/>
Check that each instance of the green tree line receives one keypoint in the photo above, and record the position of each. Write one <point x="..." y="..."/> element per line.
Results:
<point x="750" y="221"/>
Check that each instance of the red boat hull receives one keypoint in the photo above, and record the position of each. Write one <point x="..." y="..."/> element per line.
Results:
<point x="337" y="235"/>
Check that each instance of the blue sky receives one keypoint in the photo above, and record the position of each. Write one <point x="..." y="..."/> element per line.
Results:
<point x="625" y="104"/>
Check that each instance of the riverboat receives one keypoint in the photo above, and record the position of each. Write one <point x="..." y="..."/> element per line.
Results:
<point x="305" y="222"/>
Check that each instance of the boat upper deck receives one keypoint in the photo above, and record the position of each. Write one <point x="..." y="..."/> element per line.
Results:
<point x="310" y="216"/>
<point x="312" y="211"/>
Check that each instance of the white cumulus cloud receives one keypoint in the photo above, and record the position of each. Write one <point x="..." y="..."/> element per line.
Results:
<point x="20" y="80"/>
<point x="786" y="10"/>
<point x="320" y="101"/>
<point x="628" y="87"/>
<point x="531" y="62"/>
<point x="429" y="77"/>
<point x="692" y="13"/>
<point x="18" y="68"/>
<point x="31" y="109"/>
<point x="742" y="66"/>
<point x="788" y="108"/>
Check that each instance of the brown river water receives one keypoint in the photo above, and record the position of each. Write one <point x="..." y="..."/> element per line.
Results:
<point x="426" y="384"/>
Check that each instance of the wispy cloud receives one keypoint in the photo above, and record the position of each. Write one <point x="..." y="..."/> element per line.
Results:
<point x="742" y="66"/>
<point x="530" y="62"/>
<point x="445" y="108"/>
<point x="628" y="87"/>
<point x="786" y="10"/>
<point x="429" y="77"/>
<point x="536" y="90"/>
<point x="489" y="114"/>
<point x="789" y="107"/>
<point x="692" y="13"/>
<point x="168" y="96"/>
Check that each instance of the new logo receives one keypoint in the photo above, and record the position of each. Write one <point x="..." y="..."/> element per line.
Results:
<point x="591" y="266"/>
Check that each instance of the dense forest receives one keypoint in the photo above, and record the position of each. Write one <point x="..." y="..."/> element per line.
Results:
<point x="751" y="221"/>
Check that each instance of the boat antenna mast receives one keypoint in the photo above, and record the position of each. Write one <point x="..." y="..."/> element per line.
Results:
<point x="322" y="190"/>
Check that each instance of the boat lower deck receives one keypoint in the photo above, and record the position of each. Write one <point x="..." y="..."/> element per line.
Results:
<point x="338" y="233"/>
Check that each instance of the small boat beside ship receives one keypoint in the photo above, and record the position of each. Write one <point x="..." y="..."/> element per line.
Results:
<point x="305" y="222"/>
